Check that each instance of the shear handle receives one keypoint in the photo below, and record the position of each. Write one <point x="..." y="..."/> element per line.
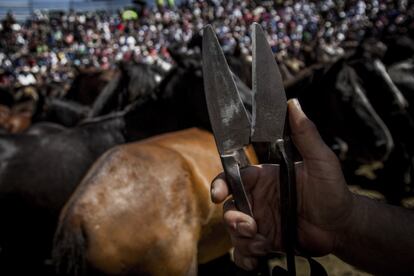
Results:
<point x="285" y="151"/>
<point x="288" y="204"/>
<point x="231" y="165"/>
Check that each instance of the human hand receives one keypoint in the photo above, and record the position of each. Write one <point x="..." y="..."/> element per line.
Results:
<point x="324" y="201"/>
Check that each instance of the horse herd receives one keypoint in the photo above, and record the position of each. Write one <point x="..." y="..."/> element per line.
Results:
<point x="87" y="188"/>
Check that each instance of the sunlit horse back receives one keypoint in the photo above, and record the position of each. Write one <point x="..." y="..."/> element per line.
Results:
<point x="144" y="208"/>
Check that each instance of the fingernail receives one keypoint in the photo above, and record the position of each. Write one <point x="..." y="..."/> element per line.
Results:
<point x="297" y="103"/>
<point x="213" y="189"/>
<point x="243" y="229"/>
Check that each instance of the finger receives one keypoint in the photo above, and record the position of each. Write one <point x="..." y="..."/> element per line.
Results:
<point x="219" y="189"/>
<point x="245" y="262"/>
<point x="250" y="175"/>
<point x="305" y="134"/>
<point x="300" y="179"/>
<point x="252" y="247"/>
<point x="239" y="224"/>
<point x="253" y="175"/>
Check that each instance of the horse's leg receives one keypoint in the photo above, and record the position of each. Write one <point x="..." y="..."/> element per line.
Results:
<point x="172" y="254"/>
<point x="179" y="257"/>
<point x="193" y="266"/>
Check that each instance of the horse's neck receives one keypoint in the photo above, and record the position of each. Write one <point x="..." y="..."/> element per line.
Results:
<point x="113" y="122"/>
<point x="398" y="97"/>
<point x="107" y="96"/>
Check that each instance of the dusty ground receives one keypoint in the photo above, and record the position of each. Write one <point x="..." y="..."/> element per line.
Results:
<point x="333" y="266"/>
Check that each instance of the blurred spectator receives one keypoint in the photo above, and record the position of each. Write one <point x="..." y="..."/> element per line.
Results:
<point x="301" y="32"/>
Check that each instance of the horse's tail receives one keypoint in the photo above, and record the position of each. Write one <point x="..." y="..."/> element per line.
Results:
<point x="69" y="248"/>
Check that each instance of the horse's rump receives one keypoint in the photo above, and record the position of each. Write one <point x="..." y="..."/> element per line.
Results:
<point x="144" y="207"/>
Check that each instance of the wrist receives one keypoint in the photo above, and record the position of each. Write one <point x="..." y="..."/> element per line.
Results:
<point x="350" y="224"/>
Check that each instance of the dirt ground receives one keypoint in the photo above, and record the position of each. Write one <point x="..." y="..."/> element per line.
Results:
<point x="333" y="266"/>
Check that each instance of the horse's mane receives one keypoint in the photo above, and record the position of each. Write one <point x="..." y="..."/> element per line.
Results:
<point x="116" y="94"/>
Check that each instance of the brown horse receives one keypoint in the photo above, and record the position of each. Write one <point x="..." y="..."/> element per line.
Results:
<point x="144" y="208"/>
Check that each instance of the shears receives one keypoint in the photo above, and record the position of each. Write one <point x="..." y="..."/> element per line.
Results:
<point x="234" y="128"/>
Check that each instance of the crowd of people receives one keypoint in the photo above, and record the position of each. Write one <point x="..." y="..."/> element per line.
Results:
<point x="47" y="46"/>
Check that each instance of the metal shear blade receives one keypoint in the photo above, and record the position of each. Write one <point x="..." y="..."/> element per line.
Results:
<point x="269" y="98"/>
<point x="233" y="129"/>
<point x="228" y="116"/>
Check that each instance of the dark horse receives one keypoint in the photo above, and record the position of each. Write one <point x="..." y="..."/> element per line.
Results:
<point x="334" y="98"/>
<point x="88" y="84"/>
<point x="131" y="82"/>
<point x="135" y="82"/>
<point x="62" y="111"/>
<point x="39" y="170"/>
<point x="395" y="178"/>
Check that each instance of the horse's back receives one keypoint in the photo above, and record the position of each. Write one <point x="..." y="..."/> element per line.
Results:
<point x="198" y="148"/>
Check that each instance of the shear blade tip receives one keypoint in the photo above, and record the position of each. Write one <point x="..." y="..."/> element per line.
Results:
<point x="208" y="27"/>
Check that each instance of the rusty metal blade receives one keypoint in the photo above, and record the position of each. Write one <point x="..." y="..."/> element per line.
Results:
<point x="228" y="116"/>
<point x="269" y="98"/>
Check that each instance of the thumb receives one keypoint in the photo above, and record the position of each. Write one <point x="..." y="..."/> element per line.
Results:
<point x="304" y="133"/>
